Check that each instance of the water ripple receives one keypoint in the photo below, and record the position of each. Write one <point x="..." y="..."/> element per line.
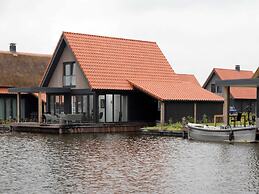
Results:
<point x="124" y="163"/>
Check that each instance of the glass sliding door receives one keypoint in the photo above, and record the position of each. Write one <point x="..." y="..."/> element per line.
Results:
<point x="56" y="104"/>
<point x="59" y="105"/>
<point x="113" y="108"/>
<point x="101" y="105"/>
<point x="117" y="108"/>
<point x="109" y="108"/>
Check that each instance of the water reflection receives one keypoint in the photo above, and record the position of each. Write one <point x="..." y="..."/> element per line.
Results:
<point x="124" y="163"/>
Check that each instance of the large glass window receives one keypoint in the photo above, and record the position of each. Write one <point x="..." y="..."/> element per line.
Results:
<point x="69" y="74"/>
<point x="117" y="108"/>
<point x="113" y="108"/>
<point x="59" y="104"/>
<point x="83" y="104"/>
<point x="56" y="104"/>
<point x="101" y="104"/>
<point x="109" y="108"/>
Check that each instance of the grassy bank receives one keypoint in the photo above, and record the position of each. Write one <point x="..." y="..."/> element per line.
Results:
<point x="167" y="127"/>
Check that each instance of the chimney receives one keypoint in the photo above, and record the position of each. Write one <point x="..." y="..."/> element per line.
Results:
<point x="237" y="67"/>
<point x="12" y="47"/>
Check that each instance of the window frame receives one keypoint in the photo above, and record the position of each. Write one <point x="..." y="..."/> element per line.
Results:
<point x="72" y="66"/>
<point x="213" y="86"/>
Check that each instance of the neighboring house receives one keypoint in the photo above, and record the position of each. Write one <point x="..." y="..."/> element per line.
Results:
<point x="20" y="70"/>
<point x="242" y="98"/>
<point x="121" y="80"/>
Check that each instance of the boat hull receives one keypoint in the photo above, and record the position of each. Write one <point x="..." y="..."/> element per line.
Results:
<point x="246" y="134"/>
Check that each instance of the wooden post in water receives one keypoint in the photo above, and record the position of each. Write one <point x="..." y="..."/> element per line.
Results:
<point x="39" y="108"/>
<point x="226" y="94"/>
<point x="18" y="104"/>
<point x="162" y="113"/>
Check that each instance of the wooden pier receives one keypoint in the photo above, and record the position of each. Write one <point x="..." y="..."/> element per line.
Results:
<point x="34" y="127"/>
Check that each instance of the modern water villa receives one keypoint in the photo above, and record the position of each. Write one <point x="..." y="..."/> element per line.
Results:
<point x="98" y="83"/>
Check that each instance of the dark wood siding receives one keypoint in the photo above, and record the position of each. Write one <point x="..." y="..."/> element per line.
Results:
<point x="209" y="109"/>
<point x="176" y="110"/>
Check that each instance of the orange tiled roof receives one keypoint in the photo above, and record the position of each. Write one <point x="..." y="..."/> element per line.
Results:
<point x="237" y="92"/>
<point x="108" y="62"/>
<point x="243" y="93"/>
<point x="120" y="64"/>
<point x="188" y="78"/>
<point x="177" y="90"/>
<point x="225" y="74"/>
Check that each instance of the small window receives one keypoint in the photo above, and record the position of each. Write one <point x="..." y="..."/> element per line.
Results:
<point x="212" y="88"/>
<point x="219" y="89"/>
<point x="69" y="74"/>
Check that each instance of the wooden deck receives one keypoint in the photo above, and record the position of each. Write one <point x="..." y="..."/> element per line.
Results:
<point x="77" y="127"/>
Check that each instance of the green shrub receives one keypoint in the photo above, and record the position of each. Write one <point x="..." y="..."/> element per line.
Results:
<point x="204" y="118"/>
<point x="190" y="119"/>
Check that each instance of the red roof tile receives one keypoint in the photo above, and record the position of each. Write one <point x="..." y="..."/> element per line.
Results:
<point x="108" y="62"/>
<point x="225" y="74"/>
<point x="243" y="93"/>
<point x="188" y="78"/>
<point x="122" y="64"/>
<point x="237" y="92"/>
<point x="176" y="90"/>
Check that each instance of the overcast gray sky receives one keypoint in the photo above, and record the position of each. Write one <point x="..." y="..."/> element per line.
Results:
<point x="195" y="36"/>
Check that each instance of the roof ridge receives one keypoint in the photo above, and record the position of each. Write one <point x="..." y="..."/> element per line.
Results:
<point x="26" y="53"/>
<point x="109" y="37"/>
<point x="231" y="69"/>
<point x="184" y="74"/>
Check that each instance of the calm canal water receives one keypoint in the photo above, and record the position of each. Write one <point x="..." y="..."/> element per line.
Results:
<point x="124" y="163"/>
